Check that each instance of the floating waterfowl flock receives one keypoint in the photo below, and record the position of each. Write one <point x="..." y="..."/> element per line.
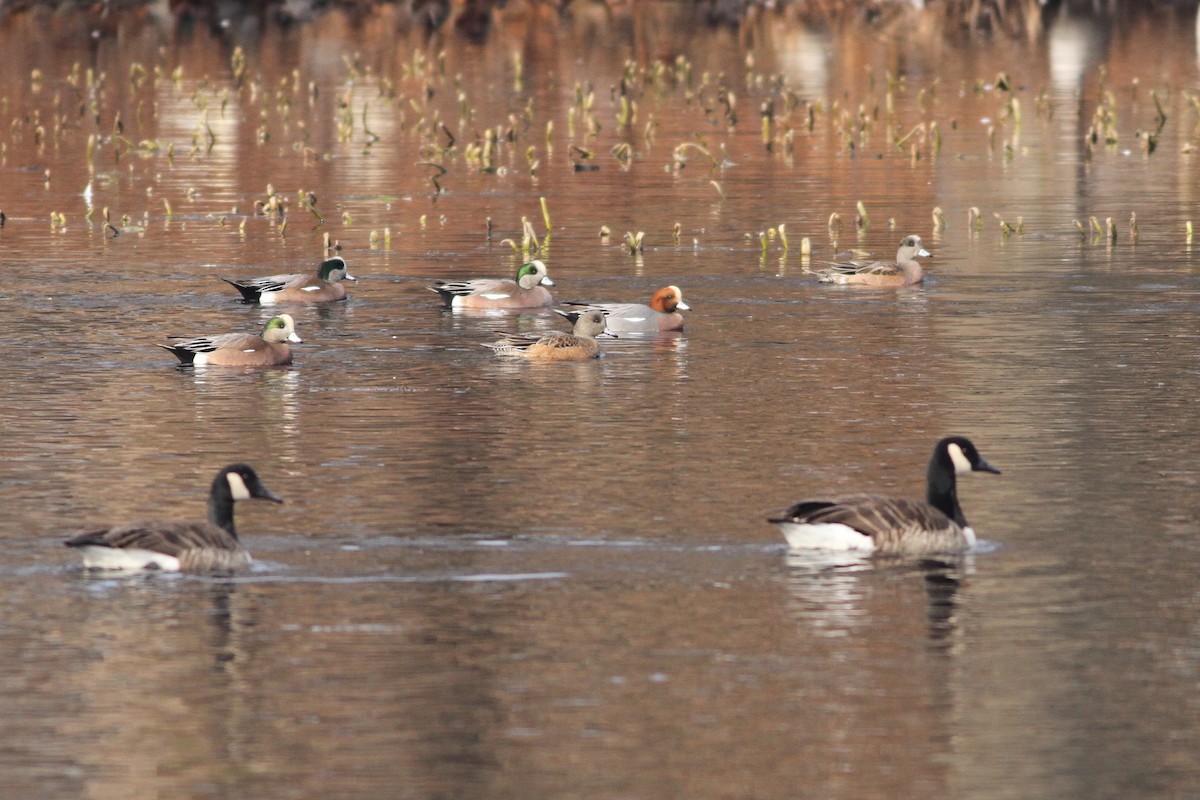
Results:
<point x="863" y="523"/>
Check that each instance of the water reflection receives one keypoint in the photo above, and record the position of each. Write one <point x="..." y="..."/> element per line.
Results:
<point x="830" y="590"/>
<point x="1075" y="43"/>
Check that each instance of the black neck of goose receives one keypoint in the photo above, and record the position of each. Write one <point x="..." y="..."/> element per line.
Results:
<point x="941" y="490"/>
<point x="220" y="506"/>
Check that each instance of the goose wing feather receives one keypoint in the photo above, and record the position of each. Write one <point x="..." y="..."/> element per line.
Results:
<point x="894" y="524"/>
<point x="169" y="538"/>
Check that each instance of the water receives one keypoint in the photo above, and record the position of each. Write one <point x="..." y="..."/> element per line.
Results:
<point x="499" y="579"/>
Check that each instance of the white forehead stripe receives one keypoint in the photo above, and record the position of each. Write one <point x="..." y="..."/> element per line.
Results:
<point x="237" y="486"/>
<point x="962" y="464"/>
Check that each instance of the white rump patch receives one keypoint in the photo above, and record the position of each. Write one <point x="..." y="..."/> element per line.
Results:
<point x="126" y="559"/>
<point x="237" y="486"/>
<point x="962" y="464"/>
<point x="826" y="536"/>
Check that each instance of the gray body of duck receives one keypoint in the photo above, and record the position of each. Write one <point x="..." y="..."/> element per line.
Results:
<point x="211" y="546"/>
<point x="870" y="523"/>
<point x="662" y="314"/>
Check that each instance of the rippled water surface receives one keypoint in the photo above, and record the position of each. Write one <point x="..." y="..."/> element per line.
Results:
<point x="514" y="580"/>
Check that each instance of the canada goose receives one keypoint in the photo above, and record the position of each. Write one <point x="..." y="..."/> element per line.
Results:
<point x="904" y="271"/>
<point x="241" y="349"/>
<point x="579" y="345"/>
<point x="887" y="525"/>
<point x="180" y="546"/>
<point x="661" y="315"/>
<point x="324" y="287"/>
<point x="527" y="291"/>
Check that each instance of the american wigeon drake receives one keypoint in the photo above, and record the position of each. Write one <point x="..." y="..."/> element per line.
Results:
<point x="241" y="349"/>
<point x="661" y="315"/>
<point x="885" y="525"/>
<point x="579" y="345"/>
<point x="211" y="546"/>
<point x="904" y="271"/>
<point x="527" y="291"/>
<point x="324" y="287"/>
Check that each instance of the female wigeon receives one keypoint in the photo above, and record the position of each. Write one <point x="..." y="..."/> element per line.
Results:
<point x="241" y="349"/>
<point x="885" y="525"/>
<point x="661" y="315"/>
<point x="579" y="345"/>
<point x="180" y="546"/>
<point x="904" y="271"/>
<point x="323" y="287"/>
<point x="527" y="291"/>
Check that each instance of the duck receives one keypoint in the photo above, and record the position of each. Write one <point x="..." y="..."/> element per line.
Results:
<point x="241" y="349"/>
<point x="579" y="345"/>
<point x="661" y="315"/>
<point x="904" y="271"/>
<point x="889" y="526"/>
<point x="324" y="287"/>
<point x="211" y="546"/>
<point x="527" y="291"/>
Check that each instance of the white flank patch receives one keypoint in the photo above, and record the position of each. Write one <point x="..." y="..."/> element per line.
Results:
<point x="201" y="358"/>
<point x="962" y="464"/>
<point x="969" y="535"/>
<point x="126" y="558"/>
<point x="826" y="536"/>
<point x="237" y="486"/>
<point x="268" y="299"/>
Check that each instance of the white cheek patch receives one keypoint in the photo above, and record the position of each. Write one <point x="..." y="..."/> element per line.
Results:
<point x="962" y="464"/>
<point x="237" y="486"/>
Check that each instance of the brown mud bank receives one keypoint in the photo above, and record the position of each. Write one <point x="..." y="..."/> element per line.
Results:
<point x="476" y="19"/>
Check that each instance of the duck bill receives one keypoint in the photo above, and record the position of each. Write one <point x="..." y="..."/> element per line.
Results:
<point x="295" y="338"/>
<point x="263" y="493"/>
<point x="546" y="281"/>
<point x="924" y="253"/>
<point x="682" y="306"/>
<point x="607" y="334"/>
